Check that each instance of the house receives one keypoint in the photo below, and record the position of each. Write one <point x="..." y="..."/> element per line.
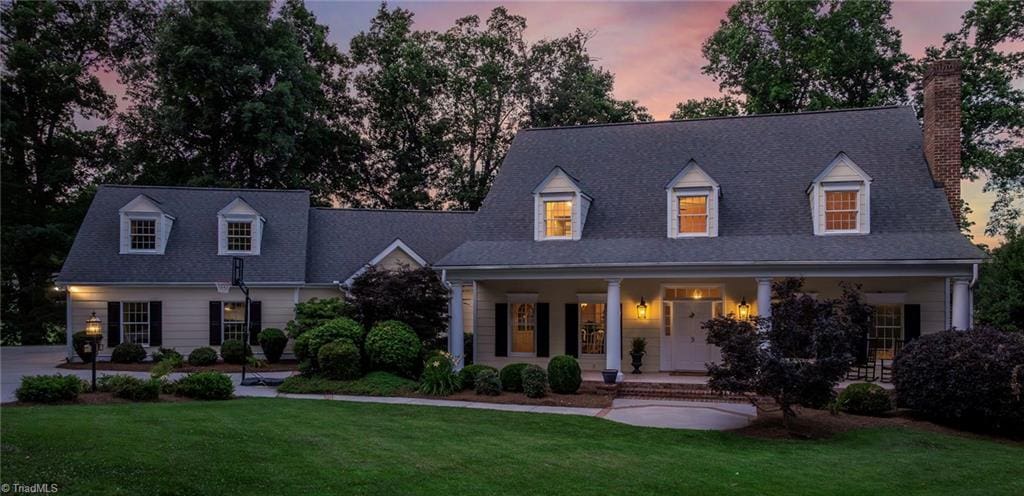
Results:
<point x="593" y="235"/>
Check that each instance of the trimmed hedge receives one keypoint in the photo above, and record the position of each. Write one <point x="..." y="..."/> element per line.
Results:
<point x="512" y="377"/>
<point x="340" y="360"/>
<point x="128" y="353"/>
<point x="235" y="351"/>
<point x="488" y="383"/>
<point x="865" y="399"/>
<point x="273" y="342"/>
<point x="307" y="346"/>
<point x="205" y="386"/>
<point x="49" y="388"/>
<point x="392" y="346"/>
<point x="202" y="356"/>
<point x="535" y="381"/>
<point x="467" y="376"/>
<point x="564" y="374"/>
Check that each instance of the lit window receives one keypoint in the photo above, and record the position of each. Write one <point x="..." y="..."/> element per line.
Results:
<point x="239" y="236"/>
<point x="693" y="214"/>
<point x="523" y="327"/>
<point x="558" y="219"/>
<point x="135" y="322"/>
<point x="234" y="320"/>
<point x="592" y="328"/>
<point x="886" y="336"/>
<point x="143" y="234"/>
<point x="840" y="210"/>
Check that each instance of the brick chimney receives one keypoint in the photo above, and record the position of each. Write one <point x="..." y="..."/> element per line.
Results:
<point x="942" y="128"/>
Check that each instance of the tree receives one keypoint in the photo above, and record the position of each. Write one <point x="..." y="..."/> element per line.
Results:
<point x="415" y="297"/>
<point x="708" y="107"/>
<point x="231" y="94"/>
<point x="797" y="356"/>
<point x="992" y="129"/>
<point x="999" y="297"/>
<point x="794" y="56"/>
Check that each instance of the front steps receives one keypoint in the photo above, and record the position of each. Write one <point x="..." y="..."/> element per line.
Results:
<point x="669" y="391"/>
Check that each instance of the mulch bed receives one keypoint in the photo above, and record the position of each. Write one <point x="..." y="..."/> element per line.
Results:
<point x="99" y="398"/>
<point x="587" y="397"/>
<point x="282" y="366"/>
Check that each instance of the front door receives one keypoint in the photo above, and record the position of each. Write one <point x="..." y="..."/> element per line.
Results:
<point x="690" y="349"/>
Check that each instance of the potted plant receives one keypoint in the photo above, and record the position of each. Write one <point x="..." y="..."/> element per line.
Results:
<point x="610" y="375"/>
<point x="638" y="352"/>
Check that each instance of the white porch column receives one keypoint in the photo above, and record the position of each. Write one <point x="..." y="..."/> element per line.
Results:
<point x="613" y="338"/>
<point x="961" y="304"/>
<point x="69" y="330"/>
<point x="456" y="328"/>
<point x="764" y="297"/>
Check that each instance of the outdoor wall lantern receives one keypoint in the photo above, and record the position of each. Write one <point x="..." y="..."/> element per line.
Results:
<point x="698" y="294"/>
<point x="641" y="309"/>
<point x="744" y="308"/>
<point x="94" y="331"/>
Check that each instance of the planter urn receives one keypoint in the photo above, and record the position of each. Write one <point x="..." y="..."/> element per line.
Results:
<point x="638" y="361"/>
<point x="610" y="375"/>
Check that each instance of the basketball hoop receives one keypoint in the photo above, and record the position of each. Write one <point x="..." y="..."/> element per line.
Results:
<point x="223" y="287"/>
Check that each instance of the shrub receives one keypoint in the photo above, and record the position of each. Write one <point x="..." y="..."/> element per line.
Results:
<point x="163" y="368"/>
<point x="202" y="356"/>
<point x="339" y="360"/>
<point x="416" y="297"/>
<point x="128" y="353"/>
<point x="467" y="376"/>
<point x="865" y="399"/>
<point x="564" y="374"/>
<point x="487" y="383"/>
<point x="273" y="342"/>
<point x="439" y="377"/>
<point x="307" y="346"/>
<point x="234" y="351"/>
<point x="968" y="378"/>
<point x="111" y="383"/>
<point x="512" y="377"/>
<point x="49" y="388"/>
<point x="313" y="313"/>
<point x="392" y="347"/>
<point x="78" y="341"/>
<point x="131" y="388"/>
<point x="535" y="381"/>
<point x="162" y="354"/>
<point x="205" y="386"/>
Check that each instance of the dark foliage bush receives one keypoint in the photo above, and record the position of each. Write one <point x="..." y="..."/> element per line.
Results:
<point x="487" y="383"/>
<point x="171" y="354"/>
<point x="864" y="399"/>
<point x="439" y="377"/>
<point x="205" y="386"/>
<point x="392" y="347"/>
<point x="235" y="351"/>
<point x="128" y="353"/>
<point x="307" y="346"/>
<point x="467" y="349"/>
<point x="130" y="388"/>
<point x="79" y="341"/>
<point x="49" y="388"/>
<point x="467" y="376"/>
<point x="535" y="381"/>
<point x="968" y="378"/>
<point x="273" y="342"/>
<point x="564" y="374"/>
<point x="340" y="360"/>
<point x="202" y="356"/>
<point x="314" y="313"/>
<point x="416" y="297"/>
<point x="512" y="377"/>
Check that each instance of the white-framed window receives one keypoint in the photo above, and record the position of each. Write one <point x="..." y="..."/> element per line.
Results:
<point x="559" y="207"/>
<point x="692" y="203"/>
<point x="593" y="326"/>
<point x="886" y="330"/>
<point x="144" y="227"/>
<point x="840" y="198"/>
<point x="841" y="210"/>
<point x="142" y="234"/>
<point x="558" y="219"/>
<point x="693" y="214"/>
<point x="239" y="236"/>
<point x="232" y="320"/>
<point x="135" y="322"/>
<point x="239" y="229"/>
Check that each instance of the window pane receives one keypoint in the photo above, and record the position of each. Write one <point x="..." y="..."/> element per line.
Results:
<point x="841" y="210"/>
<point x="886" y="330"/>
<point x="523" y="328"/>
<point x="234" y="320"/>
<point x="135" y="322"/>
<point x="239" y="236"/>
<point x="558" y="218"/>
<point x="693" y="214"/>
<point x="592" y="328"/>
<point x="143" y="234"/>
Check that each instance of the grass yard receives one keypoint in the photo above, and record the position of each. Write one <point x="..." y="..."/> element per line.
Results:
<point x="279" y="446"/>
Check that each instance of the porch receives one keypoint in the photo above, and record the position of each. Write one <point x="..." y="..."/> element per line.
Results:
<point x="690" y="379"/>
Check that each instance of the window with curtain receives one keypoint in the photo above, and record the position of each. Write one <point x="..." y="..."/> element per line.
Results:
<point x="693" y="214"/>
<point x="233" y="323"/>
<point x="592" y="328"/>
<point x="841" y="210"/>
<point x="558" y="219"/>
<point x="524" y="326"/>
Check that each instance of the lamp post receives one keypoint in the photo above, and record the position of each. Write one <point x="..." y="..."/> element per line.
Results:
<point x="94" y="331"/>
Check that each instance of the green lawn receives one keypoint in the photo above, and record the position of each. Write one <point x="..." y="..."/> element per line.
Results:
<point x="279" y="446"/>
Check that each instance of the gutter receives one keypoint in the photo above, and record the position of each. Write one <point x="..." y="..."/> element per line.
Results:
<point x="714" y="264"/>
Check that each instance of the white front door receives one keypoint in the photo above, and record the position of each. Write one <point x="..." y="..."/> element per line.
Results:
<point x="690" y="349"/>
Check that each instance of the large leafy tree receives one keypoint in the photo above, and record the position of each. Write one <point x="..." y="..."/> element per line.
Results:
<point x="992" y="132"/>
<point x="708" y="107"/>
<point x="999" y="297"/>
<point x="793" y="56"/>
<point x="234" y="94"/>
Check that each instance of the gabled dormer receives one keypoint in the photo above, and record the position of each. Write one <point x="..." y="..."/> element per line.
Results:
<point x="840" y="198"/>
<point x="239" y="229"/>
<point x="560" y="207"/>
<point x="145" y="227"/>
<point x="692" y="203"/>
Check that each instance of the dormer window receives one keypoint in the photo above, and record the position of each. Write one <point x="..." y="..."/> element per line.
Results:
<point x="841" y="198"/>
<point x="692" y="203"/>
<point x="145" y="227"/>
<point x="239" y="236"/>
<point x="143" y="234"/>
<point x="560" y="207"/>
<point x="240" y="229"/>
<point x="693" y="214"/>
<point x="558" y="218"/>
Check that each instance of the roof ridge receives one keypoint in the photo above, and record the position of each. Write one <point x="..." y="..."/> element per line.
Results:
<point x="726" y="117"/>
<point x="203" y="188"/>
<point x="387" y="210"/>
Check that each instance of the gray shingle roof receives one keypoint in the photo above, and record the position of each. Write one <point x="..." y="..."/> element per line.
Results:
<point x="763" y="164"/>
<point x="342" y="241"/>
<point x="191" y="253"/>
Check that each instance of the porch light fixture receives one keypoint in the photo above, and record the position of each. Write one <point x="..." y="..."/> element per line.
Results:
<point x="641" y="309"/>
<point x="698" y="294"/>
<point x="93" y="332"/>
<point x="744" y="308"/>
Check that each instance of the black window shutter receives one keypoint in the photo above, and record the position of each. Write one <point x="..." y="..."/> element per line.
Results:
<point x="113" y="323"/>
<point x="215" y="323"/>
<point x="501" y="329"/>
<point x="622" y="334"/>
<point x="255" y="321"/>
<point x="543" y="329"/>
<point x="572" y="324"/>
<point x="911" y="322"/>
<point x="156" y="323"/>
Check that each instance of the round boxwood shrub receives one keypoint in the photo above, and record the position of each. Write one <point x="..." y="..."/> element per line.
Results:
<point x="273" y="342"/>
<point x="535" y="381"/>
<point x="968" y="378"/>
<point x="392" y="346"/>
<point x="467" y="376"/>
<point x="202" y="356"/>
<point x="339" y="360"/>
<point x="487" y="383"/>
<point x="205" y="386"/>
<point x="865" y="399"/>
<point x="439" y="377"/>
<point x="128" y="353"/>
<point x="234" y="351"/>
<point x="307" y="346"/>
<point x="49" y="388"/>
<point x="170" y="354"/>
<point x="512" y="377"/>
<point x="564" y="374"/>
<point x="79" y="341"/>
